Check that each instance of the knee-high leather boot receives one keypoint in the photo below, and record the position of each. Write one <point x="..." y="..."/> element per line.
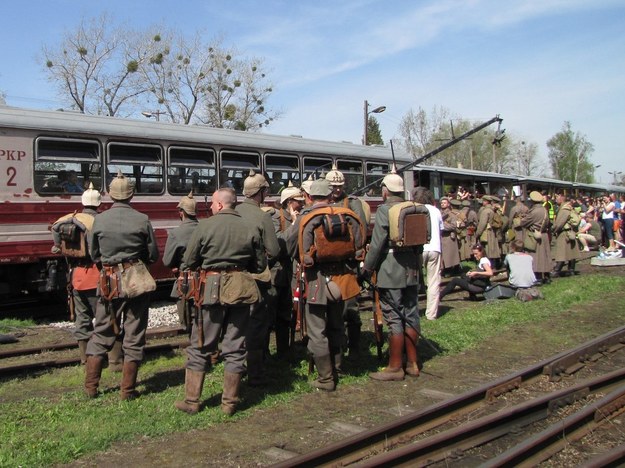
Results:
<point x="93" y="373"/>
<point x="129" y="380"/>
<point x="193" y="383"/>
<point x="325" y="379"/>
<point x="557" y="270"/>
<point x="230" y="394"/>
<point x="394" y="370"/>
<point x="411" y="340"/>
<point x="116" y="357"/>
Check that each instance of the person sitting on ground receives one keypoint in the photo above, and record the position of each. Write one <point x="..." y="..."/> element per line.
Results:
<point x="520" y="266"/>
<point x="589" y="234"/>
<point x="475" y="281"/>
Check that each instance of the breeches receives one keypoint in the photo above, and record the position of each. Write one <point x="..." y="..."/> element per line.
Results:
<point x="324" y="324"/>
<point x="400" y="309"/>
<point x="85" y="303"/>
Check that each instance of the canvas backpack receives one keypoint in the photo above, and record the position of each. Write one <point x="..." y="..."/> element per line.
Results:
<point x="497" y="221"/>
<point x="72" y="231"/>
<point x="409" y="224"/>
<point x="574" y="219"/>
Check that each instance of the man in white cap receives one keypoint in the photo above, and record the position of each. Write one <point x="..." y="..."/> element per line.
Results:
<point x="83" y="276"/>
<point x="351" y="314"/>
<point x="291" y="203"/>
<point x="121" y="239"/>
<point x="176" y="244"/>
<point x="397" y="285"/>
<point x="255" y="188"/>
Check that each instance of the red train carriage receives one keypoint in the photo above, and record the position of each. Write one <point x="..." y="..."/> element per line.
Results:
<point x="48" y="157"/>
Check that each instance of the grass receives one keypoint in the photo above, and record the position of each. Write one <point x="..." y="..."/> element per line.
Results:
<point x="46" y="419"/>
<point x="11" y="325"/>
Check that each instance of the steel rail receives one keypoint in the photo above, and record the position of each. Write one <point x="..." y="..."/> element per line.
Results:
<point x="155" y="333"/>
<point x="483" y="430"/>
<point x="552" y="440"/>
<point x="354" y="448"/>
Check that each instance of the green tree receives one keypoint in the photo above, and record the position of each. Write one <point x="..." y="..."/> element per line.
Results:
<point x="374" y="135"/>
<point x="569" y="156"/>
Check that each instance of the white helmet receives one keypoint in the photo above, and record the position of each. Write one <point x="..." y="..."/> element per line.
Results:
<point x="393" y="181"/>
<point x="335" y="177"/>
<point x="291" y="193"/>
<point x="254" y="183"/>
<point x="91" y="197"/>
<point x="307" y="183"/>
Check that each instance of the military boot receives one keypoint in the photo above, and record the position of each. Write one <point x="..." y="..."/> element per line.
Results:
<point x="325" y="380"/>
<point x="255" y="369"/>
<point x="411" y="340"/>
<point x="230" y="394"/>
<point x="572" y="268"/>
<point x="557" y="270"/>
<point x="92" y="375"/>
<point x="82" y="348"/>
<point x="337" y="363"/>
<point x="193" y="383"/>
<point x="129" y="380"/>
<point x="116" y="357"/>
<point x="394" y="370"/>
<point x="353" y="340"/>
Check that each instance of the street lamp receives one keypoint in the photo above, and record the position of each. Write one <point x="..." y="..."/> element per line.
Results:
<point x="615" y="173"/>
<point x="377" y="110"/>
<point x="156" y="114"/>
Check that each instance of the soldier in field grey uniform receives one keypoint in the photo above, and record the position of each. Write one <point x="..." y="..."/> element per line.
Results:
<point x="255" y="187"/>
<point x="398" y="285"/>
<point x="226" y="248"/>
<point x="176" y="245"/>
<point x="120" y="236"/>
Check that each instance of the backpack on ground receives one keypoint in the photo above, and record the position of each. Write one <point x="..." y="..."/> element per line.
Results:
<point x="333" y="236"/>
<point x="72" y="230"/>
<point x="409" y="224"/>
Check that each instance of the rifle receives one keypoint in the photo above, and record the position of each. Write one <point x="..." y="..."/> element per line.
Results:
<point x="378" y="321"/>
<point x="70" y="295"/>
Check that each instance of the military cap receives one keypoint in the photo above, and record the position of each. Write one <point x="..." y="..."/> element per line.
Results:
<point x="536" y="196"/>
<point x="91" y="197"/>
<point x="455" y="202"/>
<point x="121" y="188"/>
<point x="254" y="183"/>
<point x="466" y="203"/>
<point x="487" y="198"/>
<point x="187" y="204"/>
<point x="495" y="199"/>
<point x="320" y="188"/>
<point x="291" y="193"/>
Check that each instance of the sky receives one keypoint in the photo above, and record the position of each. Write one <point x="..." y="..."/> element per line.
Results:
<point x="535" y="63"/>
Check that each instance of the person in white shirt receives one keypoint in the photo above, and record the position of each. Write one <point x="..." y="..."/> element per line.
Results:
<point x="432" y="259"/>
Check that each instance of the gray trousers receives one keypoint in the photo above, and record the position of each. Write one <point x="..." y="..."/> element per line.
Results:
<point x="262" y="316"/>
<point x="132" y="317"/>
<point x="85" y="303"/>
<point x="325" y="327"/>
<point x="400" y="309"/>
<point x="232" y="321"/>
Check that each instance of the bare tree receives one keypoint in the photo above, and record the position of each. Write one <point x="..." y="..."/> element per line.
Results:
<point x="525" y="156"/>
<point x="89" y="68"/>
<point x="418" y="129"/>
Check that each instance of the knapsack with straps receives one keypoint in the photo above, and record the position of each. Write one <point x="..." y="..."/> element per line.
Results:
<point x="409" y="224"/>
<point x="72" y="231"/>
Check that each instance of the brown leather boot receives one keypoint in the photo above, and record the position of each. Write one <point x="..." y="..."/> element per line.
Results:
<point x="255" y="369"/>
<point x="82" y="348"/>
<point x="230" y="394"/>
<point x="116" y="357"/>
<point x="193" y="383"/>
<point x="325" y="380"/>
<point x="394" y="370"/>
<point x="411" y="340"/>
<point x="129" y="380"/>
<point x="93" y="373"/>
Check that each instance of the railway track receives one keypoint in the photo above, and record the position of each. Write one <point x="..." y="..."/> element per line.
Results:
<point x="518" y="420"/>
<point x="41" y="357"/>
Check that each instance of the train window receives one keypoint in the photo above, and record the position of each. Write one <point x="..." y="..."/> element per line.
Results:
<point x="318" y="167"/>
<point x="235" y="166"/>
<point x="375" y="173"/>
<point x="352" y="170"/>
<point x="143" y="164"/>
<point x="66" y="166"/>
<point x="280" y="170"/>
<point x="191" y="169"/>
